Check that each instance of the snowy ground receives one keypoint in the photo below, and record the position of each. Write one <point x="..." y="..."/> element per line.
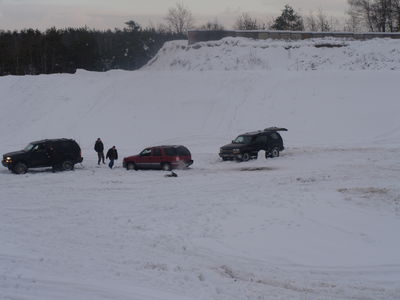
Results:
<point x="312" y="224"/>
<point x="319" y="222"/>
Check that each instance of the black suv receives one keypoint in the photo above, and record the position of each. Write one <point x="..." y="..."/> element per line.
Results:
<point x="60" y="154"/>
<point x="247" y="145"/>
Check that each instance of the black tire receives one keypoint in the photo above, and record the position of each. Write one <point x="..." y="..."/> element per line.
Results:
<point x="246" y="157"/>
<point x="131" y="166"/>
<point x="273" y="153"/>
<point x="67" y="165"/>
<point x="20" y="168"/>
<point x="166" y="166"/>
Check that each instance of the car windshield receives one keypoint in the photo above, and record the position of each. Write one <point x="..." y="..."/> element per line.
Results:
<point x="242" y="139"/>
<point x="29" y="147"/>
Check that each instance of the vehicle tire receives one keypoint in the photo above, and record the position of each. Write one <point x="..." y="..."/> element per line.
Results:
<point x="131" y="166"/>
<point x="245" y="157"/>
<point x="166" y="167"/>
<point x="67" y="165"/>
<point x="20" y="168"/>
<point x="274" y="152"/>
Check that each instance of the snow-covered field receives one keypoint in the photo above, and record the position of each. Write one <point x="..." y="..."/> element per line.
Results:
<point x="319" y="222"/>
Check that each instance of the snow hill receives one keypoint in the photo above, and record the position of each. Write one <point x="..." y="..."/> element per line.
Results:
<point x="319" y="222"/>
<point x="201" y="109"/>
<point x="235" y="54"/>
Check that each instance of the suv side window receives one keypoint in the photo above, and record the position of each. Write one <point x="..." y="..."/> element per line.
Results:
<point x="146" y="152"/>
<point x="156" y="152"/>
<point x="170" y="151"/>
<point x="39" y="147"/>
<point x="261" y="140"/>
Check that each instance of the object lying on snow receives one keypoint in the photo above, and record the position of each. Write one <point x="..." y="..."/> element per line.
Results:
<point x="172" y="174"/>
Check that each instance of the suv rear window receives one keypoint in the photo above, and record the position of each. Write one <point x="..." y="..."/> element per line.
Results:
<point x="274" y="135"/>
<point x="182" y="151"/>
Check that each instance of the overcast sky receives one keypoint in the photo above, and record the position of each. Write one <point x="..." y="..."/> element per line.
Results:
<point x="109" y="14"/>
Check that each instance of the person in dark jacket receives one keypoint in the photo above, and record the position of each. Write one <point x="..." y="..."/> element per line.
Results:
<point x="99" y="148"/>
<point x="112" y="155"/>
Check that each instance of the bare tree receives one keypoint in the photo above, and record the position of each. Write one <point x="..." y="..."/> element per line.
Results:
<point x="310" y="22"/>
<point x="212" y="25"/>
<point x="396" y="7"/>
<point x="322" y="21"/>
<point x="179" y="19"/>
<point x="267" y="23"/>
<point x="378" y="15"/>
<point x="354" y="22"/>
<point x="246" y="22"/>
<point x="362" y="10"/>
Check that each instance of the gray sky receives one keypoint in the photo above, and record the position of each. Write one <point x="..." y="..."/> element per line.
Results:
<point x="109" y="14"/>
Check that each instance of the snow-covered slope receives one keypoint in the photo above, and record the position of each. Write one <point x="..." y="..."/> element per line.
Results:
<point x="232" y="54"/>
<point x="201" y="109"/>
<point x="319" y="222"/>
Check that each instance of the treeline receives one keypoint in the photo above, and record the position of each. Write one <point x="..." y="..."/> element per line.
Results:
<point x="363" y="15"/>
<point x="65" y="50"/>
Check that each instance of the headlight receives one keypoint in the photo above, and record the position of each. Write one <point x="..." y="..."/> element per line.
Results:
<point x="236" y="151"/>
<point x="8" y="159"/>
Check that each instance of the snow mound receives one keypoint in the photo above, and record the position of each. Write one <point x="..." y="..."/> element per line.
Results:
<point x="305" y="55"/>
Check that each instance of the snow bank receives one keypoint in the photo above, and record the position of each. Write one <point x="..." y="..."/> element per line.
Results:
<point x="231" y="54"/>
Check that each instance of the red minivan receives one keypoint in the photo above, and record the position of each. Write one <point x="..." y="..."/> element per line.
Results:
<point x="159" y="157"/>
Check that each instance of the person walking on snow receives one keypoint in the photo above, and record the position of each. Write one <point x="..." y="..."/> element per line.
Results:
<point x="99" y="148"/>
<point x="112" y="155"/>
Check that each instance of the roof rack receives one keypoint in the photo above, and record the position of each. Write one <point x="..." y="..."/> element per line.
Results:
<point x="275" y="129"/>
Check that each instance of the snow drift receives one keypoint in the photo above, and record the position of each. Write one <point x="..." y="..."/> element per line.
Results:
<point x="231" y="54"/>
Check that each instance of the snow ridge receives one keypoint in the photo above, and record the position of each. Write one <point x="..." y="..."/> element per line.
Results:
<point x="307" y="55"/>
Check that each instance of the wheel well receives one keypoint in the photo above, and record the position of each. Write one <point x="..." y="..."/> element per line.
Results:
<point x="166" y="163"/>
<point x="20" y="161"/>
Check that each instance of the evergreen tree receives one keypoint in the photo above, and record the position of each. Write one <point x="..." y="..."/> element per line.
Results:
<point x="288" y="20"/>
<point x="65" y="50"/>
